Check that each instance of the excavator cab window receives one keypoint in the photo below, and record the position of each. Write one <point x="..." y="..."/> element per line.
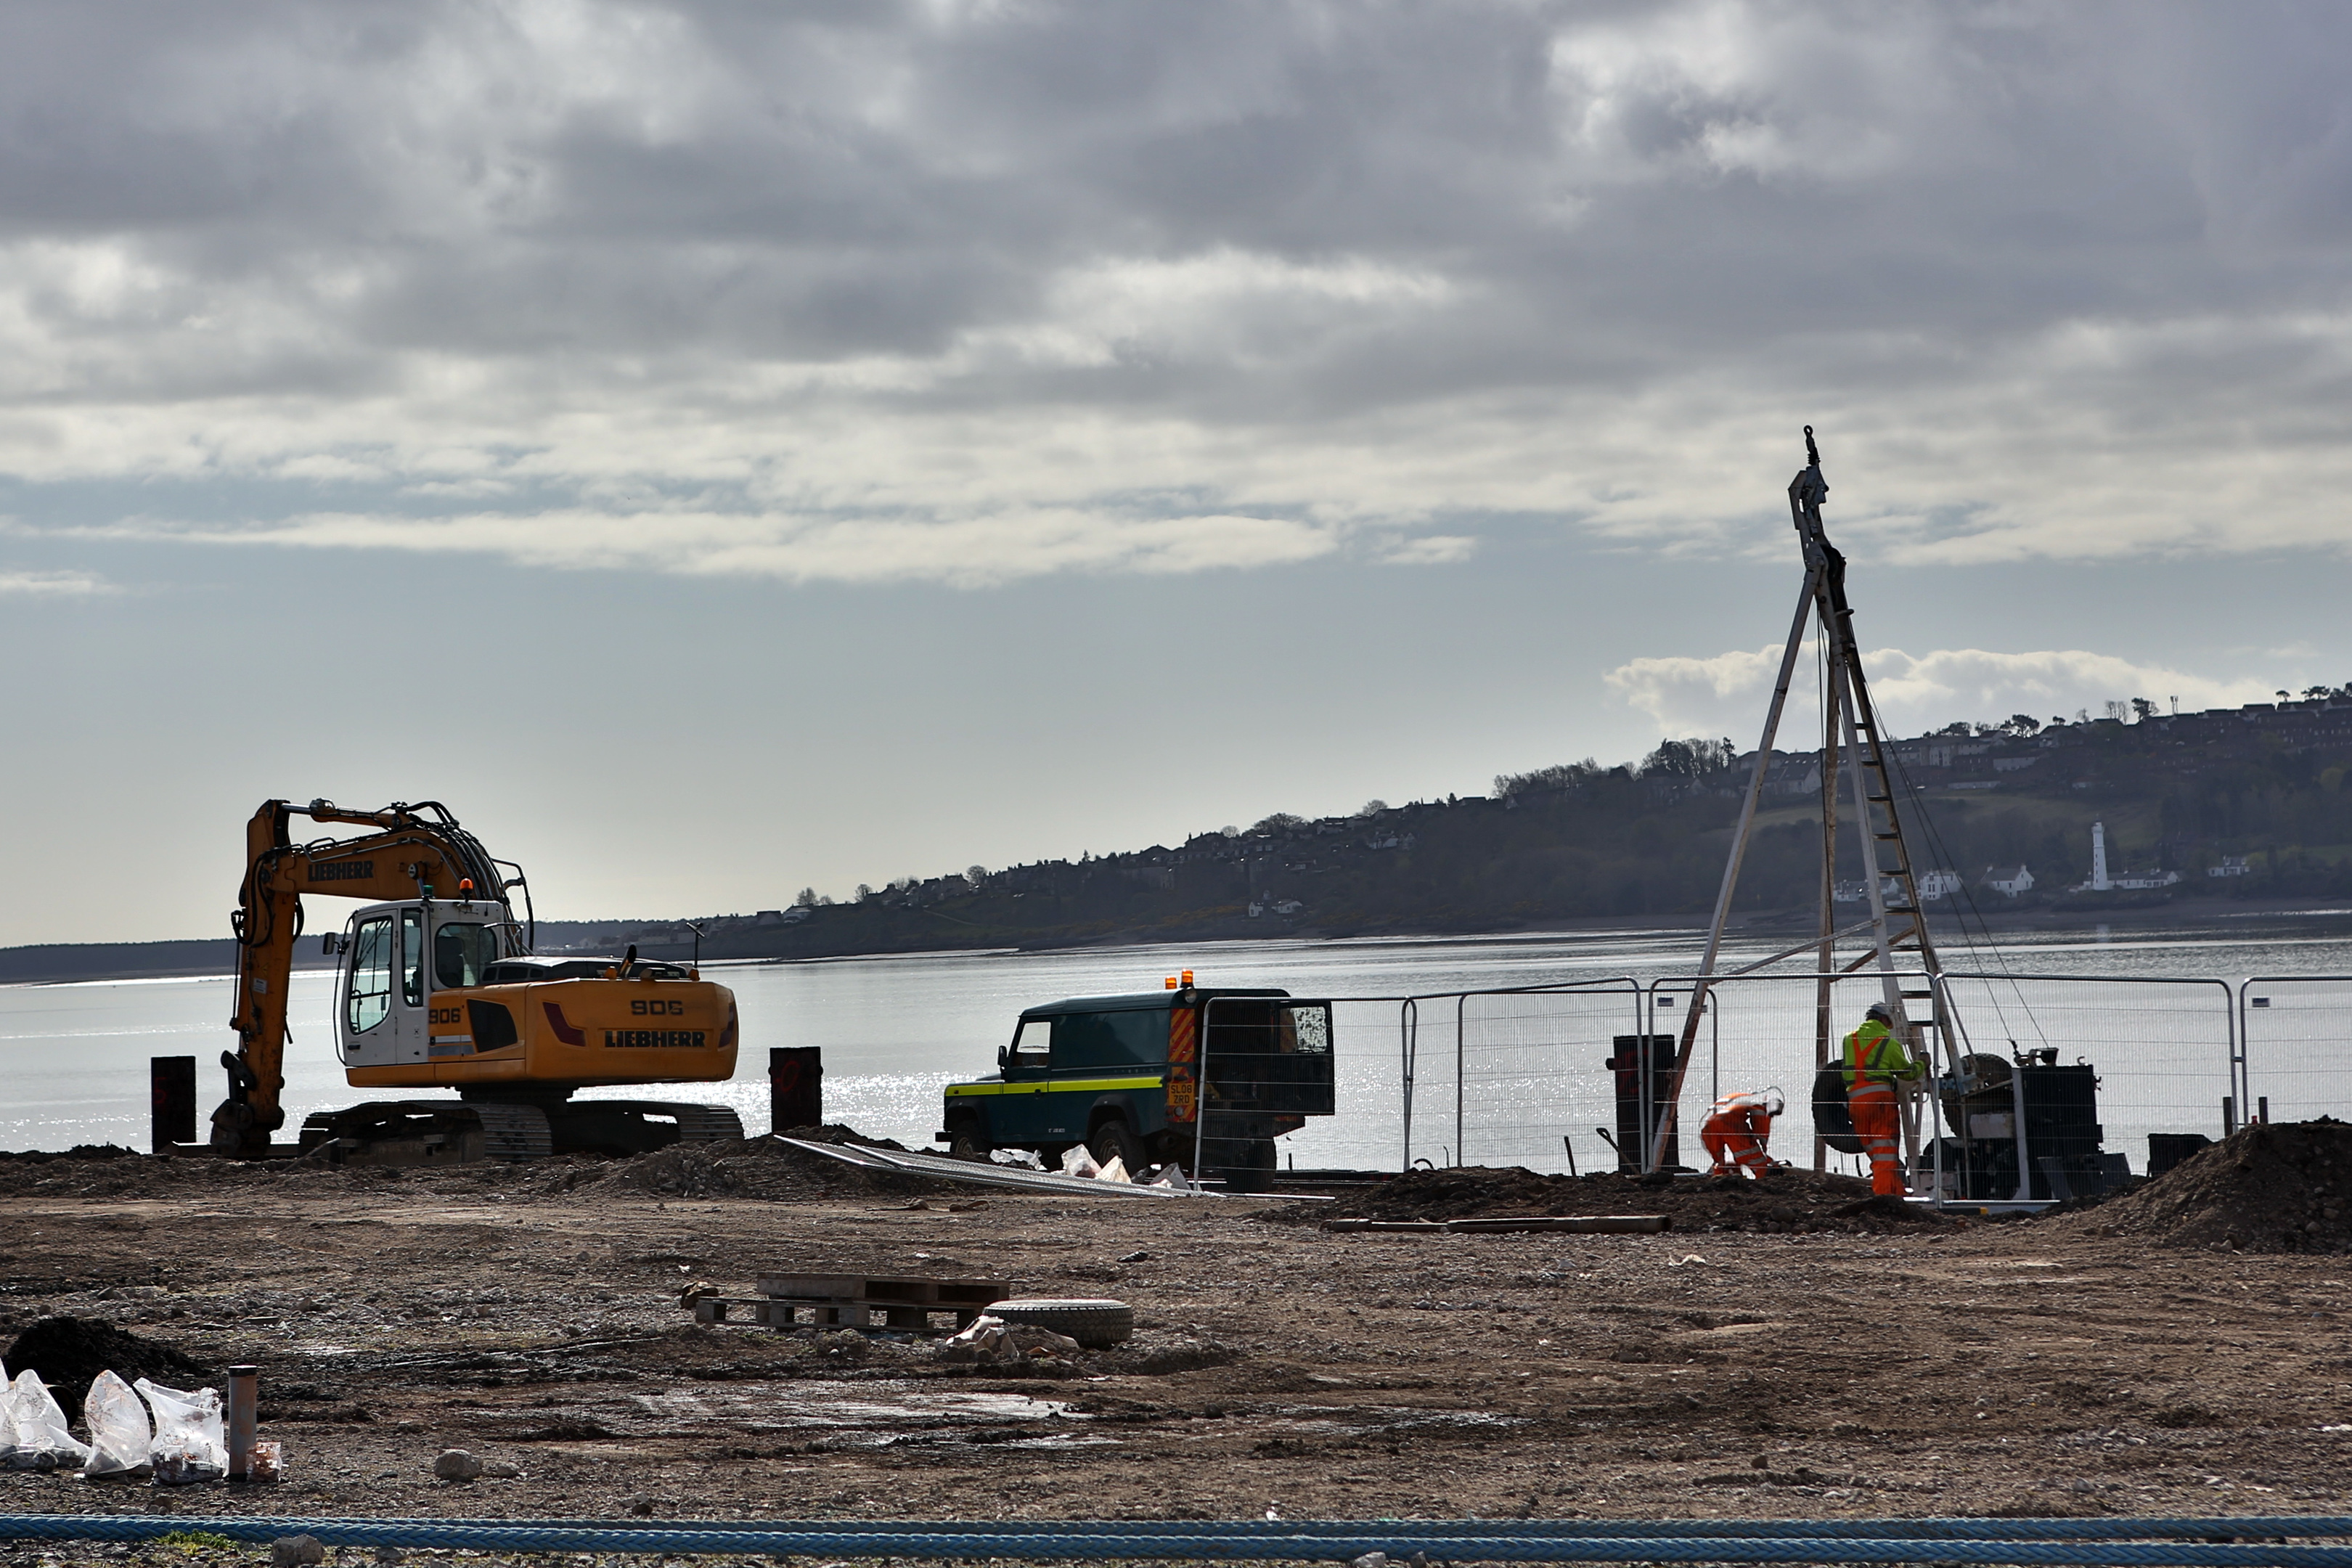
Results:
<point x="369" y="995"/>
<point x="412" y="957"/>
<point x="462" y="954"/>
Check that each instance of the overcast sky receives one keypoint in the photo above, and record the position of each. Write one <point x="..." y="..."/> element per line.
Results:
<point x="722" y="448"/>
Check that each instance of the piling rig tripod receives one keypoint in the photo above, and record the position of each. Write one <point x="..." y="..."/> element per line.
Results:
<point x="1850" y="729"/>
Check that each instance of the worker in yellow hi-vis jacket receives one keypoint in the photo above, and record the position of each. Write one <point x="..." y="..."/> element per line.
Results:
<point x="1875" y="1062"/>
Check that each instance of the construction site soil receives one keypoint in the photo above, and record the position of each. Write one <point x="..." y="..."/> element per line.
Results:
<point x="1792" y="1350"/>
<point x="1783" y="1200"/>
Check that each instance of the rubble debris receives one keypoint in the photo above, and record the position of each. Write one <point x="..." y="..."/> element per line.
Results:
<point x="762" y="1168"/>
<point x="993" y="1339"/>
<point x="2271" y="1187"/>
<point x="295" y="1551"/>
<point x="1571" y="1225"/>
<point x="69" y="1351"/>
<point x="1784" y="1200"/>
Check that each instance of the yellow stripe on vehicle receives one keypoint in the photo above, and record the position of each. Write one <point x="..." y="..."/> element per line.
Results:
<point x="1053" y="1085"/>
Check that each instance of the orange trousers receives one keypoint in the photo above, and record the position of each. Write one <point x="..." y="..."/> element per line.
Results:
<point x="1728" y="1142"/>
<point x="1877" y="1124"/>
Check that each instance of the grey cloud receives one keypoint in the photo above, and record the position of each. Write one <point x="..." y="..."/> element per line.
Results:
<point x="1584" y="239"/>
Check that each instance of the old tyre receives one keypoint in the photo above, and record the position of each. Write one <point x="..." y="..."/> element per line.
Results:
<point x="1098" y="1324"/>
<point x="1114" y="1137"/>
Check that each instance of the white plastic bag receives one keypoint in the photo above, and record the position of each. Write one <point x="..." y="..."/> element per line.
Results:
<point x="1114" y="1172"/>
<point x="7" y="1426"/>
<point x="1079" y="1162"/>
<point x="191" y="1440"/>
<point x="43" y="1440"/>
<point x="120" y="1437"/>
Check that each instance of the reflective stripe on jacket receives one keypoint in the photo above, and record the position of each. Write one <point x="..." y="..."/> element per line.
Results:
<point x="1874" y="1053"/>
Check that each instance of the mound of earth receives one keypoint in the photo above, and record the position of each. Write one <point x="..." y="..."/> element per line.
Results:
<point x="2279" y="1188"/>
<point x="1784" y="1199"/>
<point x="68" y="1353"/>
<point x="760" y="1168"/>
<point x="79" y="1152"/>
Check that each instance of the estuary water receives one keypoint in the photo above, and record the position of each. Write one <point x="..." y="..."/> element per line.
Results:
<point x="1497" y="1078"/>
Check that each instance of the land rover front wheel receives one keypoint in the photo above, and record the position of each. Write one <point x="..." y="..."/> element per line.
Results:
<point x="966" y="1141"/>
<point x="1113" y="1139"/>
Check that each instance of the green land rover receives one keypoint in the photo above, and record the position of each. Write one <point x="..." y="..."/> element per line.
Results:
<point x="1207" y="1077"/>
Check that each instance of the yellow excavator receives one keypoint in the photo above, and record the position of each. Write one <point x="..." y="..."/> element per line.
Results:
<point x="437" y="987"/>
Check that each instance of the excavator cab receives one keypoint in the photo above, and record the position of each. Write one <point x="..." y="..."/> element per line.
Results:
<point x="397" y="958"/>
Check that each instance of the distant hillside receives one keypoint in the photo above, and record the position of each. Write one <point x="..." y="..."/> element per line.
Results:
<point x="2255" y="794"/>
<point x="55" y="962"/>
<point x="2242" y="804"/>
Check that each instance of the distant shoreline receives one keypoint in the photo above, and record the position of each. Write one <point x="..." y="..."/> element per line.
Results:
<point x="96" y="962"/>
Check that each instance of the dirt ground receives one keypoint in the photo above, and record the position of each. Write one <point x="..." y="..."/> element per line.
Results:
<point x="2091" y="1362"/>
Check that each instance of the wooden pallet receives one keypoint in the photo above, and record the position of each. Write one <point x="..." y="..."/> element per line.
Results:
<point x="863" y="1302"/>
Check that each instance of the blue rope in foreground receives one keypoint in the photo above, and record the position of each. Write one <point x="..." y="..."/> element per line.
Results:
<point x="2056" y="1542"/>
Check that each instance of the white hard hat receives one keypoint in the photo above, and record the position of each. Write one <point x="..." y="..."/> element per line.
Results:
<point x="1773" y="1103"/>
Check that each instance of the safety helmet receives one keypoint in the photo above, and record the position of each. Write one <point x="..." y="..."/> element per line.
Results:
<point x="1878" y="1010"/>
<point x="1774" y="1102"/>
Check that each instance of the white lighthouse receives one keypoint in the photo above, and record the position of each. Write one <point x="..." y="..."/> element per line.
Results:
<point x="2099" y="883"/>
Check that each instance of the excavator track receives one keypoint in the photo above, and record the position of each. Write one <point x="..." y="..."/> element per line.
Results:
<point x="424" y="1133"/>
<point x="696" y="1123"/>
<point x="457" y="1133"/>
<point x="513" y="1131"/>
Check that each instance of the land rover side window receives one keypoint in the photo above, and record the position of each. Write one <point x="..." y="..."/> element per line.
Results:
<point x="1033" y="1047"/>
<point x="1110" y="1039"/>
<point x="369" y="995"/>
<point x="462" y="954"/>
<point x="412" y="958"/>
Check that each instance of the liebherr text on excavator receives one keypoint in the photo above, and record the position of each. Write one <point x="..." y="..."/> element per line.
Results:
<point x="439" y="988"/>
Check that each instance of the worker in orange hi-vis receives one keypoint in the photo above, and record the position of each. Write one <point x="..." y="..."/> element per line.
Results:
<point x="1875" y="1062"/>
<point x="1736" y="1130"/>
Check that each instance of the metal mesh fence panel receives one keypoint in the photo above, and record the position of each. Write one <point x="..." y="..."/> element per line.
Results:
<point x="2162" y="1050"/>
<point x="1367" y="1131"/>
<point x="1531" y="1081"/>
<point x="2297" y="1046"/>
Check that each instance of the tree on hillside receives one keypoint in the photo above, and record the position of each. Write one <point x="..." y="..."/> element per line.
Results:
<point x="1691" y="759"/>
<point x="1562" y="775"/>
